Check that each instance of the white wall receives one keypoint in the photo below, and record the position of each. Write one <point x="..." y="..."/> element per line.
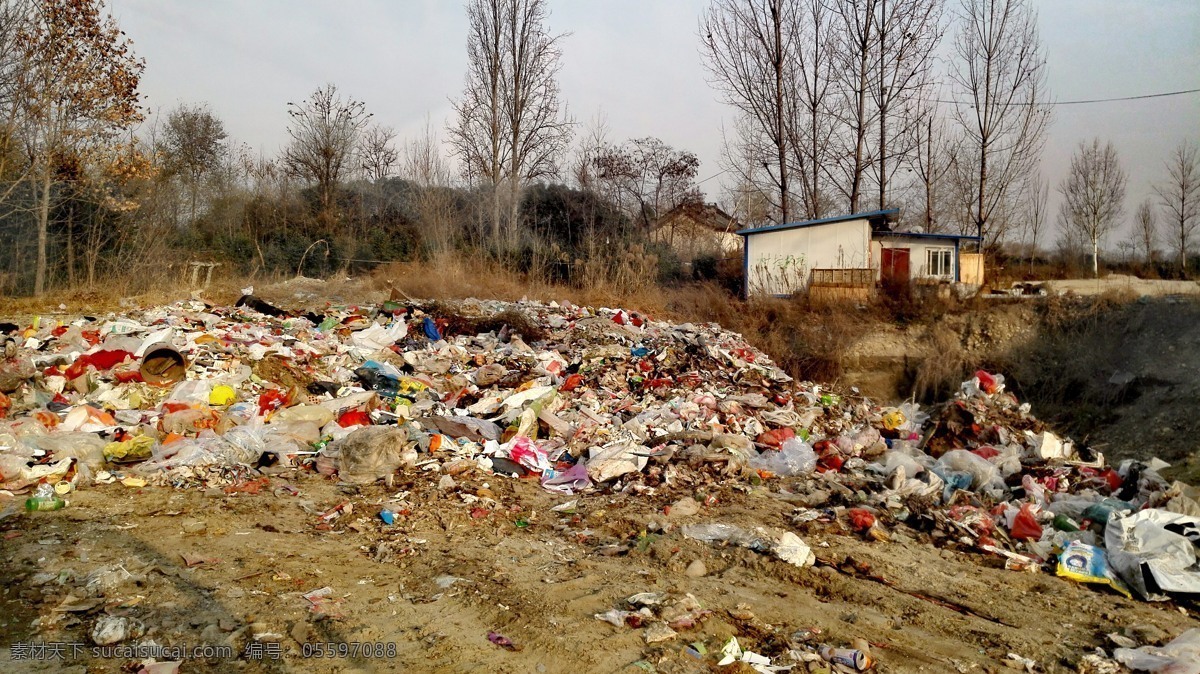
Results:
<point x="781" y="262"/>
<point x="916" y="255"/>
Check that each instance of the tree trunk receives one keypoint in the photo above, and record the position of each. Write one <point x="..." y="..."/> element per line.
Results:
<point x="71" y="247"/>
<point x="815" y="207"/>
<point x="514" y="208"/>
<point x="39" y="281"/>
<point x="860" y="131"/>
<point x="982" y="188"/>
<point x="192" y="219"/>
<point x="882" y="111"/>
<point x="1095" y="258"/>
<point x="882" y="156"/>
<point x="780" y="142"/>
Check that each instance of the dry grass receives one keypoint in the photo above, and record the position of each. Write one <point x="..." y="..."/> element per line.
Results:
<point x="938" y="375"/>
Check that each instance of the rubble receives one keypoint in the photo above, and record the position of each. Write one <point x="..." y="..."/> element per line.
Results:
<point x="587" y="402"/>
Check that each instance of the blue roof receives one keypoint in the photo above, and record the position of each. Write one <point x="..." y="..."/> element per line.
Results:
<point x="868" y="215"/>
<point x="922" y="235"/>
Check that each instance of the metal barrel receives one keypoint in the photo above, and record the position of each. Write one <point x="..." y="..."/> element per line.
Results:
<point x="163" y="364"/>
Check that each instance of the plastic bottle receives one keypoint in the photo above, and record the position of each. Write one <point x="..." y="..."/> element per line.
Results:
<point x="44" y="499"/>
<point x="35" y="503"/>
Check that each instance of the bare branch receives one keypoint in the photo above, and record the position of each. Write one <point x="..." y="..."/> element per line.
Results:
<point x="1000" y="68"/>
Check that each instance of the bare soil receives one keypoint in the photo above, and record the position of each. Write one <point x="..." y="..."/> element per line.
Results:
<point x="539" y="584"/>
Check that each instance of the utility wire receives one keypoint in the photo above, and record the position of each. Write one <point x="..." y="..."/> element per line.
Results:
<point x="1048" y="104"/>
<point x="721" y="172"/>
<point x="1089" y="100"/>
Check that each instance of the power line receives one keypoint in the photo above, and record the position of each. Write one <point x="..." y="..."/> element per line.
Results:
<point x="1082" y="101"/>
<point x="1047" y="104"/>
<point x="721" y="172"/>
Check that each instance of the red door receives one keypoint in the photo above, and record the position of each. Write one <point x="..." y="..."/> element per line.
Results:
<point x="894" y="266"/>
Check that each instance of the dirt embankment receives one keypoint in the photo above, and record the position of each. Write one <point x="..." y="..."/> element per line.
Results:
<point x="1124" y="376"/>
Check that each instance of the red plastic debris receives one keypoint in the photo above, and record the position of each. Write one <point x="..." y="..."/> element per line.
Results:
<point x="861" y="519"/>
<point x="502" y="641"/>
<point x="354" y="418"/>
<point x="987" y="383"/>
<point x="1025" y="525"/>
<point x="775" y="437"/>
<point x="986" y="452"/>
<point x="271" y="400"/>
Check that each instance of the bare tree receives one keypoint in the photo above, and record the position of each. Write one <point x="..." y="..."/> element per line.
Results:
<point x="591" y="144"/>
<point x="424" y="164"/>
<point x="813" y="126"/>
<point x="749" y="48"/>
<point x="1145" y="229"/>
<point x="511" y="124"/>
<point x="13" y="16"/>
<point x="1180" y="198"/>
<point x="77" y="88"/>
<point x="1093" y="195"/>
<point x="907" y="31"/>
<point x="656" y="176"/>
<point x="194" y="145"/>
<point x="1000" y="67"/>
<point x="324" y="130"/>
<point x="423" y="161"/>
<point x="745" y="157"/>
<point x="1037" y="198"/>
<point x="377" y="155"/>
<point x="931" y="158"/>
<point x="854" y="65"/>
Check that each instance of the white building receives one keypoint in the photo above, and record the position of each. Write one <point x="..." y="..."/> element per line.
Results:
<point x="857" y="250"/>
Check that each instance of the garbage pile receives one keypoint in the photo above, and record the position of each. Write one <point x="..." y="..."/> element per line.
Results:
<point x="584" y="401"/>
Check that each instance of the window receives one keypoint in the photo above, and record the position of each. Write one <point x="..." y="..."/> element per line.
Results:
<point x="939" y="262"/>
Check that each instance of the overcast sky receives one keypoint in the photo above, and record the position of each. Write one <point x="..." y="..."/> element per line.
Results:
<point x="634" y="61"/>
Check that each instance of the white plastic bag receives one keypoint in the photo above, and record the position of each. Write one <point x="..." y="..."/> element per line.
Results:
<point x="982" y="472"/>
<point x="795" y="457"/>
<point x="1180" y="656"/>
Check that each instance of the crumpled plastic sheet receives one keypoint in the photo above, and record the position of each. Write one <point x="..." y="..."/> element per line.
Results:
<point x="1180" y="656"/>
<point x="1154" y="551"/>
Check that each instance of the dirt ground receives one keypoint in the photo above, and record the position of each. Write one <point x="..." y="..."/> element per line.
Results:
<point x="522" y="570"/>
<point x="1123" y="283"/>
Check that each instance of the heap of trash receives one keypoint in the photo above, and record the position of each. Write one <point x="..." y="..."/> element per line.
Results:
<point x="584" y="401"/>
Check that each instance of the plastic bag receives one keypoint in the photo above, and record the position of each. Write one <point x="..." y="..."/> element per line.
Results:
<point x="1008" y="461"/>
<point x="193" y="392"/>
<point x="1088" y="564"/>
<point x="1180" y="656"/>
<point x="206" y="451"/>
<point x="525" y="452"/>
<point x="894" y="460"/>
<point x="726" y="533"/>
<point x="245" y="444"/>
<point x="795" y="457"/>
<point x="1025" y="524"/>
<point x="86" y="448"/>
<point x="371" y="453"/>
<point x="982" y="472"/>
<point x="11" y="466"/>
<point x="315" y="414"/>
<point x="1154" y="551"/>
